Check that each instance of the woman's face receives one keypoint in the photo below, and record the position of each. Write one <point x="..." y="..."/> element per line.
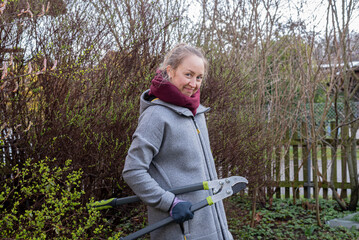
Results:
<point x="188" y="75"/>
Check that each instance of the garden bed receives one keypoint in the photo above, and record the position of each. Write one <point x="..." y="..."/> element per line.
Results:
<point x="285" y="220"/>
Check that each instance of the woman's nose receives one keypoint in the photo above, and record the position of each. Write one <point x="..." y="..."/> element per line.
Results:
<point x="192" y="82"/>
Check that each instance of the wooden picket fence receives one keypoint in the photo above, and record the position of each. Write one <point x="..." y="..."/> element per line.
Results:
<point x="293" y="169"/>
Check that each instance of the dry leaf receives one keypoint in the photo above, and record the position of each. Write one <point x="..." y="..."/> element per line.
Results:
<point x="3" y="6"/>
<point x="48" y="7"/>
<point x="3" y="126"/>
<point x="22" y="12"/>
<point x="258" y="217"/>
<point x="11" y="60"/>
<point x="16" y="87"/>
<point x="53" y="67"/>
<point x="42" y="12"/>
<point x="28" y="128"/>
<point x="3" y="86"/>
<point x="44" y="68"/>
<point x="30" y="68"/>
<point x="4" y="71"/>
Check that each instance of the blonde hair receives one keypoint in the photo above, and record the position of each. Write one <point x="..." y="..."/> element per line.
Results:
<point x="176" y="56"/>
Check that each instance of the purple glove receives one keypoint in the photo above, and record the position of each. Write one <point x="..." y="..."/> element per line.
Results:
<point x="181" y="210"/>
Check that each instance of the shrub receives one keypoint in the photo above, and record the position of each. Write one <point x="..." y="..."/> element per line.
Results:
<point x="42" y="202"/>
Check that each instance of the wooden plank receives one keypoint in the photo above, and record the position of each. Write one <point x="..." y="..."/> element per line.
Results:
<point x="287" y="173"/>
<point x="277" y="170"/>
<point x="270" y="170"/>
<point x="315" y="167"/>
<point x="333" y="152"/>
<point x="344" y="157"/>
<point x="304" y="157"/>
<point x="324" y="158"/>
<point x="287" y="168"/>
<point x="296" y="169"/>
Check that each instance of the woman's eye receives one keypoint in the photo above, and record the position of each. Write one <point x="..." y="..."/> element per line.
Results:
<point x="199" y="78"/>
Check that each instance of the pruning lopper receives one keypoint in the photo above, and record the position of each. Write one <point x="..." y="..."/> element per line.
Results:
<point x="222" y="188"/>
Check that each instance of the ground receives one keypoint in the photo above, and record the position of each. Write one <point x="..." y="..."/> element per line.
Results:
<point x="285" y="220"/>
<point x="280" y="220"/>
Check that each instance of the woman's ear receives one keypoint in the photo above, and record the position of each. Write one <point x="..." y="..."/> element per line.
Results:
<point x="169" y="71"/>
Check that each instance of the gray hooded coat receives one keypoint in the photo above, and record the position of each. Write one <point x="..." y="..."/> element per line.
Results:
<point x="170" y="148"/>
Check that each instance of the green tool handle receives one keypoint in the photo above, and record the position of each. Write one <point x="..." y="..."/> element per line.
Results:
<point x="113" y="202"/>
<point x="162" y="223"/>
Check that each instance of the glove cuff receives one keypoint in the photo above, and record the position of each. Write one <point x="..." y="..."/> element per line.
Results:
<point x="175" y="202"/>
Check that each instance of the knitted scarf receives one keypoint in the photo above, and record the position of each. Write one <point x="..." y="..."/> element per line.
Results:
<point x="167" y="92"/>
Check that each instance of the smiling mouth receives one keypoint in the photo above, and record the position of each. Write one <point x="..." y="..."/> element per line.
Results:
<point x="188" y="92"/>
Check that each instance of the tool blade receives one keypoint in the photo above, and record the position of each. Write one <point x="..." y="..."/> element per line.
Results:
<point x="238" y="187"/>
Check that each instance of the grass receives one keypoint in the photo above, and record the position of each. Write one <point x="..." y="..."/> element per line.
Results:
<point x="284" y="220"/>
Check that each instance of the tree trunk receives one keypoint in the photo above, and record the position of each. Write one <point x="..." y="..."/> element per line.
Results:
<point x="254" y="206"/>
<point x="316" y="188"/>
<point x="336" y="196"/>
<point x="353" y="171"/>
<point x="353" y="199"/>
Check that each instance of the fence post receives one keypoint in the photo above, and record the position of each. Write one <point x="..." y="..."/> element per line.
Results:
<point x="344" y="155"/>
<point x="286" y="168"/>
<point x="323" y="154"/>
<point x="306" y="163"/>
<point x="315" y="168"/>
<point x="333" y="152"/>
<point x="277" y="169"/>
<point x="270" y="167"/>
<point x="295" y="163"/>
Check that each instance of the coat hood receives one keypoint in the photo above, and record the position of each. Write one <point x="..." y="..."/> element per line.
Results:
<point x="144" y="104"/>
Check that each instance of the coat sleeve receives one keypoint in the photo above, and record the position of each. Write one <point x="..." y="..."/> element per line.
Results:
<point x="146" y="143"/>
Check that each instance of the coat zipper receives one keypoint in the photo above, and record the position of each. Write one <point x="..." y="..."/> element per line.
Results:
<point x="203" y="150"/>
<point x="209" y="173"/>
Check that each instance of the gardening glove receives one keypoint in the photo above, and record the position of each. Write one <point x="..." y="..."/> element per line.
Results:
<point x="181" y="210"/>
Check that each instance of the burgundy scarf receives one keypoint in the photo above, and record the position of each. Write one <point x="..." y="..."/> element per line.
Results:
<point x="169" y="93"/>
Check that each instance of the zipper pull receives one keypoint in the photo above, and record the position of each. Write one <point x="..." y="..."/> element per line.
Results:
<point x="195" y="124"/>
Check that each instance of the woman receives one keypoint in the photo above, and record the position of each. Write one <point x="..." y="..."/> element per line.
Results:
<point x="170" y="149"/>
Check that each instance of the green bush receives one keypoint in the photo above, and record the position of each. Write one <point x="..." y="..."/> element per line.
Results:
<point x="42" y="202"/>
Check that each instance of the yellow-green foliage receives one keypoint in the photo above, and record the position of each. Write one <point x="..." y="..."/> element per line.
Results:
<point x="41" y="202"/>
